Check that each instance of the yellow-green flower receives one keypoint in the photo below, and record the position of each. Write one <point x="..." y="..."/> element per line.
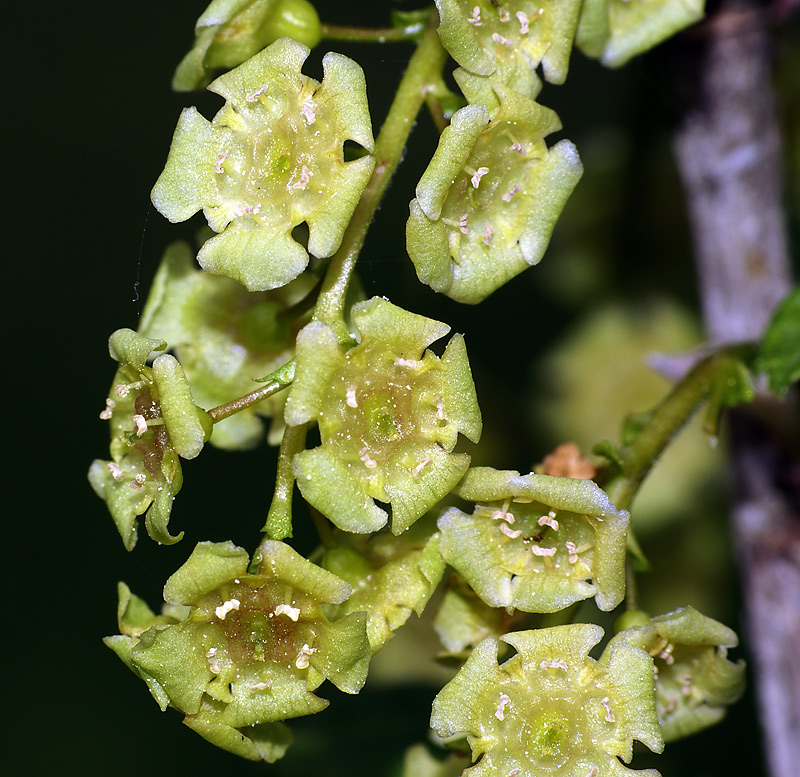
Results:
<point x="695" y="681"/>
<point x="154" y="421"/>
<point x="237" y="652"/>
<point x="536" y="543"/>
<point x="389" y="414"/>
<point x="271" y="159"/>
<point x="489" y="200"/>
<point x="551" y="709"/>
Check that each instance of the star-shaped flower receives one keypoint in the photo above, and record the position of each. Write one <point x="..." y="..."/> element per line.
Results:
<point x="536" y="543"/>
<point x="230" y="31"/>
<point x="271" y="159"/>
<point x="250" y="649"/>
<point x="511" y="38"/>
<point x="389" y="415"/>
<point x="154" y="421"/>
<point x="695" y="681"/>
<point x="551" y="709"/>
<point x="489" y="200"/>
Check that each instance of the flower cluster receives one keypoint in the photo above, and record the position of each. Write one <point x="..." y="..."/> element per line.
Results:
<point x="271" y="159"/>
<point x="389" y="415"/>
<point x="536" y="543"/>
<point x="225" y="337"/>
<point x="230" y="31"/>
<point x="245" y="651"/>
<point x="489" y="200"/>
<point x="551" y="709"/>
<point x="154" y="421"/>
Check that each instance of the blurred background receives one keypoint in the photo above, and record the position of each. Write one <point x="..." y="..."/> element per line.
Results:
<point x="558" y="354"/>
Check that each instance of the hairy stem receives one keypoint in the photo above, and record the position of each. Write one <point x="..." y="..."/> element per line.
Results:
<point x="367" y="35"/>
<point x="273" y="383"/>
<point x="279" y="517"/>
<point x="424" y="69"/>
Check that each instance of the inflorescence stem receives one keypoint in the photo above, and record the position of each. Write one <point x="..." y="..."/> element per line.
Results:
<point x="424" y="69"/>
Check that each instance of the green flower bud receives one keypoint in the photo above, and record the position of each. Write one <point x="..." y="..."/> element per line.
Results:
<point x="615" y="31"/>
<point x="536" y="543"/>
<point x="391" y="578"/>
<point x="389" y="417"/>
<point x="695" y="682"/>
<point x="489" y="200"/>
<point x="230" y="31"/>
<point x="511" y="38"/>
<point x="251" y="648"/>
<point x="271" y="159"/>
<point x="551" y="709"/>
<point x="224" y="337"/>
<point x="153" y="420"/>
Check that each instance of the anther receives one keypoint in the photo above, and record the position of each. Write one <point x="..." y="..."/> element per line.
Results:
<point x="537" y="550"/>
<point x="303" y="656"/>
<point x="607" y="707"/>
<point x="369" y="462"/>
<point x="293" y="613"/>
<point x="221" y="157"/>
<point x="555" y="663"/>
<point x="503" y="14"/>
<point x="226" y="607"/>
<point x="115" y="471"/>
<point x="477" y="175"/>
<point x="549" y="520"/>
<point x="572" y="550"/>
<point x="476" y="17"/>
<point x="417" y="471"/>
<point x="512" y="533"/>
<point x="462" y="225"/>
<point x="499" y="712"/>
<point x="305" y="177"/>
<point x="308" y="111"/>
<point x="508" y="195"/>
<point x="497" y="38"/>
<point x="487" y="234"/>
<point x="141" y="424"/>
<point x="350" y="397"/>
<point x="523" y="22"/>
<point x="253" y="96"/>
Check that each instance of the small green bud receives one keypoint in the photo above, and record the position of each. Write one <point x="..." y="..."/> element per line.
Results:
<point x="536" y="543"/>
<point x="695" y="682"/>
<point x="550" y="709"/>
<point x="389" y="415"/>
<point x="271" y="159"/>
<point x="251" y="648"/>
<point x="230" y="31"/>
<point x="489" y="200"/>
<point x="154" y="421"/>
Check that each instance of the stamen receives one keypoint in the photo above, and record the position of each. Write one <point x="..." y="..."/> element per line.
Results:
<point x="523" y="22"/>
<point x="477" y="175"/>
<point x="108" y="410"/>
<point x="226" y="607"/>
<point x="519" y="147"/>
<point x="537" y="550"/>
<point x="302" y="657"/>
<point x="503" y="14"/>
<point x="350" y="395"/>
<point x="290" y="612"/>
<point x="413" y="363"/>
<point x="508" y="195"/>
<point x="498" y="38"/>
<point x="115" y="470"/>
<point x="512" y="533"/>
<point x="264" y="685"/>
<point x="305" y="177"/>
<point x="499" y="712"/>
<point x="555" y="663"/>
<point x="476" y="17"/>
<point x="141" y="424"/>
<point x="549" y="520"/>
<point x="440" y="409"/>
<point x="253" y="96"/>
<point x="417" y="471"/>
<point x="308" y="111"/>
<point x="369" y="462"/>
<point x="572" y="551"/>
<point x="221" y="157"/>
<point x="607" y="707"/>
<point x="462" y="225"/>
<point x="487" y="234"/>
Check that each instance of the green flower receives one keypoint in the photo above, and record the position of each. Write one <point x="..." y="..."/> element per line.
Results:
<point x="154" y="421"/>
<point x="250" y="649"/>
<point x="230" y="31"/>
<point x="510" y="39"/>
<point x="489" y="200"/>
<point x="615" y="31"/>
<point x="695" y="682"/>
<point x="551" y="709"/>
<point x="271" y="159"/>
<point x="391" y="578"/>
<point x="536" y="543"/>
<point x="224" y="337"/>
<point x="389" y="416"/>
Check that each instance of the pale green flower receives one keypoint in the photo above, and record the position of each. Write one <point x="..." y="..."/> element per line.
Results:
<point x="154" y="421"/>
<point x="271" y="159"/>
<point x="510" y="38"/>
<point x="695" y="682"/>
<point x="237" y="652"/>
<point x="389" y="415"/>
<point x="536" y="543"/>
<point x="551" y="709"/>
<point x="615" y="31"/>
<point x="225" y="337"/>
<point x="230" y="31"/>
<point x="489" y="200"/>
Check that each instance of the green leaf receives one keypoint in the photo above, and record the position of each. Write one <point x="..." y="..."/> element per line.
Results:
<point x="779" y="356"/>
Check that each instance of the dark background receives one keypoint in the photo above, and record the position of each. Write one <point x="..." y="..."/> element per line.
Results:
<point x="91" y="115"/>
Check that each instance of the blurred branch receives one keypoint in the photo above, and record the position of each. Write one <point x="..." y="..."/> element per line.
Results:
<point x="728" y="151"/>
